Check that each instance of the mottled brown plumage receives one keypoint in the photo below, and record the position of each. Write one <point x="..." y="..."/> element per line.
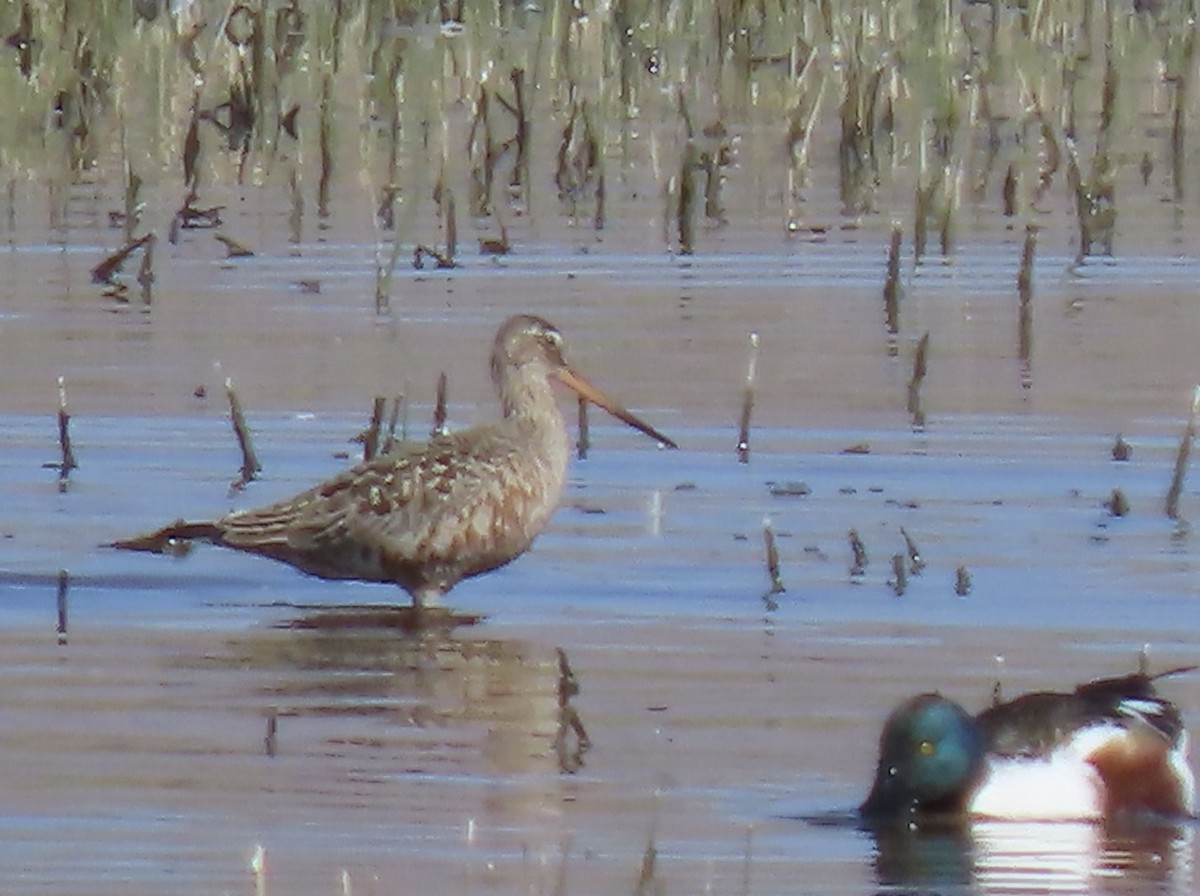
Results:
<point x="429" y="516"/>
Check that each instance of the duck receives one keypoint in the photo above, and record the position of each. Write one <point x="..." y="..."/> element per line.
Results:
<point x="1110" y="747"/>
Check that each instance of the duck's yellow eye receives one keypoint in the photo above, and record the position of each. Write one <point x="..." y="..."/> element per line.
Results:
<point x="926" y="747"/>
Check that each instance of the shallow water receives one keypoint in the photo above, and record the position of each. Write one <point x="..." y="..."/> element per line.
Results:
<point x="221" y="724"/>
<point x="142" y="752"/>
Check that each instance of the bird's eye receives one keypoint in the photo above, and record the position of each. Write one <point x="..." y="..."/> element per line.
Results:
<point x="926" y="748"/>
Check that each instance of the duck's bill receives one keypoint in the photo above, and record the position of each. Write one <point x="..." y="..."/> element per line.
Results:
<point x="587" y="391"/>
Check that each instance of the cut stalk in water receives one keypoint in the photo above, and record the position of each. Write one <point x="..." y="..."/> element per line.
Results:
<point x="371" y="437"/>
<point x="1009" y="192"/>
<point x="439" y="408"/>
<point x="233" y="249"/>
<point x="772" y="557"/>
<point x="920" y="367"/>
<point x="583" y="443"/>
<point x="891" y="283"/>
<point x="899" y="581"/>
<point x="105" y="271"/>
<point x="1181" y="80"/>
<point x="686" y="201"/>
<point x="132" y="212"/>
<point x="64" y="582"/>
<point x="250" y="465"/>
<point x="743" y="444"/>
<point x="1117" y="504"/>
<point x="1025" y="273"/>
<point x="1181" y="458"/>
<point x="858" y="565"/>
<point x="389" y="441"/>
<point x="1025" y="306"/>
<point x="271" y="738"/>
<point x="962" y="581"/>
<point x="68" y="462"/>
<point x="915" y="560"/>
<point x="1121" y="450"/>
<point x="145" y="274"/>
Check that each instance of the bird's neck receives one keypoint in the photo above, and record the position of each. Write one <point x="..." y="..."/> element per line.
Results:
<point x="530" y="395"/>
<point x="530" y="406"/>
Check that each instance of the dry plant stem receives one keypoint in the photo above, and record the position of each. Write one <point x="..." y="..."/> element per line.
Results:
<point x="859" y="565"/>
<point x="250" y="465"/>
<point x="1182" y="79"/>
<point x="899" y="575"/>
<point x="271" y="739"/>
<point x="891" y="284"/>
<point x="1025" y="274"/>
<point x="920" y="361"/>
<point x="393" y="419"/>
<point x="583" y="443"/>
<point x="104" y="272"/>
<point x="916" y="561"/>
<point x="648" y="882"/>
<point x="233" y="249"/>
<point x="772" y="555"/>
<point x="371" y="438"/>
<point x="1181" y="458"/>
<point x="439" y="407"/>
<point x="68" y="462"/>
<point x="146" y="270"/>
<point x="743" y="443"/>
<point x="64" y="582"/>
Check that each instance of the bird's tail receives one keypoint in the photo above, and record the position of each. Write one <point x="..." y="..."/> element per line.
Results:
<point x="165" y="539"/>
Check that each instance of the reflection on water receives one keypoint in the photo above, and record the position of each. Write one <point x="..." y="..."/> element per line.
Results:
<point x="425" y="674"/>
<point x="1004" y="857"/>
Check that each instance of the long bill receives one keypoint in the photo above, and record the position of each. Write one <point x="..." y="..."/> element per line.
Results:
<point x="586" y="390"/>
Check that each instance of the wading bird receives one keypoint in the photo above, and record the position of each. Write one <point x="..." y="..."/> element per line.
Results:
<point x="426" y="517"/>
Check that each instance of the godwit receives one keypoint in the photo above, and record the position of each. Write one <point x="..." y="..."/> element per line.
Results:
<point x="427" y="517"/>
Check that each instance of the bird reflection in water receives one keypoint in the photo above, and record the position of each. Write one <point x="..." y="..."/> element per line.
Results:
<point x="1008" y="857"/>
<point x="420" y="679"/>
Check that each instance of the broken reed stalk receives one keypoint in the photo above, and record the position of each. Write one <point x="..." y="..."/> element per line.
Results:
<point x="686" y="198"/>
<point x="1008" y="193"/>
<point x="1181" y="458"/>
<point x="858" y="566"/>
<point x="899" y="575"/>
<point x="133" y="208"/>
<point x="891" y="283"/>
<point x="271" y="738"/>
<point x="743" y="443"/>
<point x="393" y="419"/>
<point x="450" y="222"/>
<point x="1182" y="80"/>
<point x="772" y="555"/>
<point x="64" y="582"/>
<point x="915" y="560"/>
<point x="920" y="367"/>
<point x="371" y="438"/>
<point x="584" y="442"/>
<point x="1025" y="306"/>
<point x="648" y="882"/>
<point x="250" y="465"/>
<point x="233" y="248"/>
<point x="1025" y="274"/>
<point x="105" y="271"/>
<point x="68" y="462"/>
<point x="439" y="408"/>
<point x="145" y="275"/>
